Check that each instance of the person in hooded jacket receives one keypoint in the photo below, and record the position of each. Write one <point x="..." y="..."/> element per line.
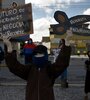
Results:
<point x="27" y="50"/>
<point x="40" y="74"/>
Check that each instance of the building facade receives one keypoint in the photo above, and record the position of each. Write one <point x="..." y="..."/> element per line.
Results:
<point x="77" y="42"/>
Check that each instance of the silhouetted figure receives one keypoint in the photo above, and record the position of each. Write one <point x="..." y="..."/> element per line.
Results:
<point x="1" y="54"/>
<point x="27" y="51"/>
<point x="87" y="79"/>
<point x="67" y="50"/>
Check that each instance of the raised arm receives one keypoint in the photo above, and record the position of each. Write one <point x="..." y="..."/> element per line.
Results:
<point x="12" y="63"/>
<point x="61" y="63"/>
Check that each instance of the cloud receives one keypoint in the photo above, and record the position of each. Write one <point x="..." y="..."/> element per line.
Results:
<point x="41" y="28"/>
<point x="40" y="2"/>
<point x="52" y="2"/>
<point x="41" y="24"/>
<point x="49" y="5"/>
<point x="87" y="12"/>
<point x="48" y="10"/>
<point x="49" y="2"/>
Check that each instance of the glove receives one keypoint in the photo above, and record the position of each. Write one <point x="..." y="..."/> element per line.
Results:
<point x="7" y="43"/>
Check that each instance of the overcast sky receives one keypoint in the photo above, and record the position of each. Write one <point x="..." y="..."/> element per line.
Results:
<point x="43" y="12"/>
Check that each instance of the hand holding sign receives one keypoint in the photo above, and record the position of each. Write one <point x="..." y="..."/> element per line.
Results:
<point x="7" y="42"/>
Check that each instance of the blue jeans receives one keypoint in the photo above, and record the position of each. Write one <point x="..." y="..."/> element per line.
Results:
<point x="64" y="75"/>
<point x="28" y="59"/>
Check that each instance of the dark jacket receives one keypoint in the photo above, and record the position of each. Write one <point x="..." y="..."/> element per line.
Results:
<point x="1" y="54"/>
<point x="39" y="81"/>
<point x="87" y="77"/>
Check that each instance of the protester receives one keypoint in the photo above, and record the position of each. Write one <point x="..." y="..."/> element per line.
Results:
<point x="40" y="75"/>
<point x="27" y="50"/>
<point x="87" y="79"/>
<point x="1" y="54"/>
<point x="67" y="49"/>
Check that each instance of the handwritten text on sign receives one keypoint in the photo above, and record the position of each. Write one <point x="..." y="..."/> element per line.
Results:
<point x="16" y="21"/>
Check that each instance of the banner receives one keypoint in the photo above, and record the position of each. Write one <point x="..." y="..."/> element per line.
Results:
<point x="81" y="31"/>
<point x="58" y="29"/>
<point x="79" y="19"/>
<point x="61" y="17"/>
<point x="63" y="25"/>
<point x="16" y="22"/>
<point x="77" y="23"/>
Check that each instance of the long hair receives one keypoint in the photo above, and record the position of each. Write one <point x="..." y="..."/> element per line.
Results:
<point x="62" y="41"/>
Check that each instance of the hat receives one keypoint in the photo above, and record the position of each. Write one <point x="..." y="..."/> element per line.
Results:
<point x="40" y="49"/>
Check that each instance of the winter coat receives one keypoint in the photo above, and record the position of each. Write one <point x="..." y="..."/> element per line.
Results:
<point x="27" y="52"/>
<point x="87" y="78"/>
<point x="39" y="81"/>
<point x="1" y="54"/>
<point x="28" y="48"/>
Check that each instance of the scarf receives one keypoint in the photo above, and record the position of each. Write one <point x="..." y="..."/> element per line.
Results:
<point x="40" y="61"/>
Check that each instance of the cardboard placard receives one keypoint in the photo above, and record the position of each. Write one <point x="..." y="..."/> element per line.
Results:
<point x="16" y="22"/>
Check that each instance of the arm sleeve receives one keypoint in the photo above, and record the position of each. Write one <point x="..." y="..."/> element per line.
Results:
<point x="15" y="67"/>
<point x="87" y="64"/>
<point x="61" y="63"/>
